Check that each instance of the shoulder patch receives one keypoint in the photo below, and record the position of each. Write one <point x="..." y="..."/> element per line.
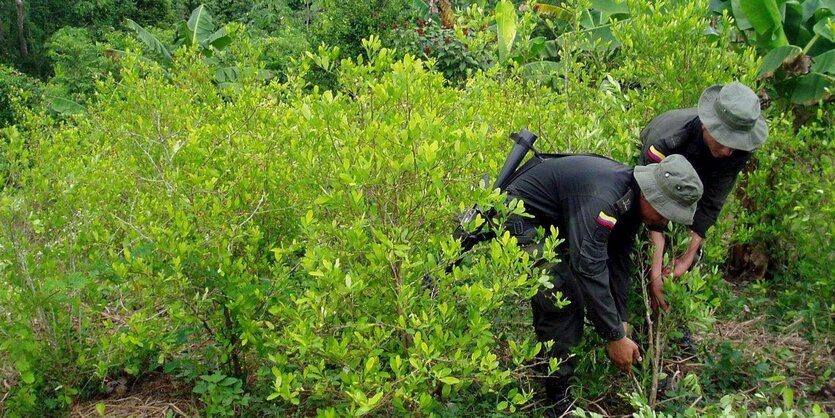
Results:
<point x="654" y="154"/>
<point x="624" y="203"/>
<point x="606" y="220"/>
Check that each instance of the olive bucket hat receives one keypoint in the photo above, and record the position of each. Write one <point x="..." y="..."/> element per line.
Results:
<point x="731" y="114"/>
<point x="671" y="187"/>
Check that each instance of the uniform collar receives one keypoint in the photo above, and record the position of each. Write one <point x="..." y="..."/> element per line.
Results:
<point x="698" y="148"/>
<point x="697" y="144"/>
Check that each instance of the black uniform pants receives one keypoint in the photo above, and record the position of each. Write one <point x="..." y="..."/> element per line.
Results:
<point x="562" y="325"/>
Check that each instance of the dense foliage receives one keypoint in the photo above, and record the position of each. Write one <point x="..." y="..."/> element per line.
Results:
<point x="264" y="239"/>
<point x="799" y="37"/>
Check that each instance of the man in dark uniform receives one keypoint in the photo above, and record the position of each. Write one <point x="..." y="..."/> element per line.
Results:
<point x="597" y="205"/>
<point x="718" y="138"/>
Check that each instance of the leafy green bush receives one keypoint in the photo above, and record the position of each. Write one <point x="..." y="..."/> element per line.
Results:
<point x="238" y="263"/>
<point x="345" y="24"/>
<point x="452" y="53"/>
<point x="278" y="35"/>
<point x="788" y="203"/>
<point x="78" y="61"/>
<point x="17" y="91"/>
<point x="221" y="394"/>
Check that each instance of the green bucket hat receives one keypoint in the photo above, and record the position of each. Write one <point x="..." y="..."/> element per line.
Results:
<point x="671" y="187"/>
<point x="731" y="114"/>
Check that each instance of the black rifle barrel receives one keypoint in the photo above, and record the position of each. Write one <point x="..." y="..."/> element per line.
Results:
<point x="524" y="143"/>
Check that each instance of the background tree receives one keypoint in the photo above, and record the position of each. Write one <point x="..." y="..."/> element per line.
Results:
<point x="21" y="35"/>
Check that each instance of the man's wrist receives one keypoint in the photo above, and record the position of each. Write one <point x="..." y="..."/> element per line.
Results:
<point x="614" y="334"/>
<point x="695" y="243"/>
<point x="701" y="233"/>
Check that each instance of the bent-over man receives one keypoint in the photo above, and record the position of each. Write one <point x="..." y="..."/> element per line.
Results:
<point x="598" y="205"/>
<point x="717" y="138"/>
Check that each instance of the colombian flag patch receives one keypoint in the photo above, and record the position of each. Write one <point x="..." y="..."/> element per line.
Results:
<point x="655" y="155"/>
<point x="606" y="220"/>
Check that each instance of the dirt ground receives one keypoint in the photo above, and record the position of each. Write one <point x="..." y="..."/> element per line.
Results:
<point x="155" y="396"/>
<point x="804" y="362"/>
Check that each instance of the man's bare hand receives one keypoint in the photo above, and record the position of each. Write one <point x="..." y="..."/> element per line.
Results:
<point x="623" y="353"/>
<point x="656" y="294"/>
<point x="682" y="264"/>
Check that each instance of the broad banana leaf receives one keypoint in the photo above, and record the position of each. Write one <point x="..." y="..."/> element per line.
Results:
<point x="227" y="74"/>
<point x="817" y="7"/>
<point x="219" y="39"/>
<point x="766" y="20"/>
<point x="538" y="46"/>
<point x="546" y="72"/>
<point x="776" y="58"/>
<point x="149" y="39"/>
<point x="824" y="63"/>
<point x="826" y="29"/>
<point x="740" y="17"/>
<point x="590" y="19"/>
<point x="599" y="38"/>
<point x="200" y="27"/>
<point x="611" y="8"/>
<point x="719" y="6"/>
<point x="65" y="106"/>
<point x="505" y="28"/>
<point x="793" y="24"/>
<point x="812" y="88"/>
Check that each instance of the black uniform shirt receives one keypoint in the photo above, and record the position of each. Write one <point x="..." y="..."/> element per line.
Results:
<point x="680" y="132"/>
<point x="593" y="202"/>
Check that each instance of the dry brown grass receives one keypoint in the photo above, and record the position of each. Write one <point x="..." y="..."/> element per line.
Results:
<point x="787" y="351"/>
<point x="157" y="396"/>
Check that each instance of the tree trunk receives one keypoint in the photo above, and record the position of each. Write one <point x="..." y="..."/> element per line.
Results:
<point x="24" y="50"/>
<point x="447" y="17"/>
<point x="433" y="7"/>
<point x="3" y="49"/>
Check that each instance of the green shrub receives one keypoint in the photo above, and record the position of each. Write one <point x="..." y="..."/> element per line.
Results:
<point x="78" y="61"/>
<point x="345" y="24"/>
<point x="788" y="203"/>
<point x="17" y="91"/>
<point x="279" y="36"/>
<point x="236" y="261"/>
<point x="454" y="55"/>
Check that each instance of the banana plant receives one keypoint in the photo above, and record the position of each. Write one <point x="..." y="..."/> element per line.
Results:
<point x="198" y="32"/>
<point x="797" y="38"/>
<point x="586" y="27"/>
<point x="594" y="22"/>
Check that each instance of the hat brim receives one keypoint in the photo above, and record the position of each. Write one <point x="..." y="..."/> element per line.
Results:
<point x="665" y="206"/>
<point x="732" y="138"/>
